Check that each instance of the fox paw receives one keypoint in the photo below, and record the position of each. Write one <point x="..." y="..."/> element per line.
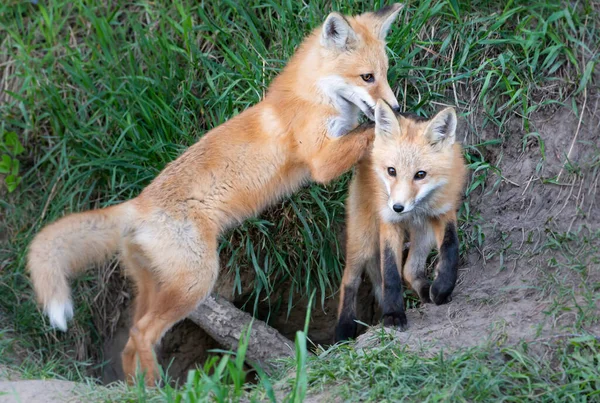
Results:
<point x="345" y="331"/>
<point x="424" y="292"/>
<point x="441" y="292"/>
<point x="395" y="319"/>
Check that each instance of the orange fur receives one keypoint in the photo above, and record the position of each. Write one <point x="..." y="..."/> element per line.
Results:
<point x="167" y="236"/>
<point x="429" y="204"/>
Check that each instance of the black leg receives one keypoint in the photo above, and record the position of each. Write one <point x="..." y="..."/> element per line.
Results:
<point x="393" y="302"/>
<point x="346" y="326"/>
<point x="447" y="268"/>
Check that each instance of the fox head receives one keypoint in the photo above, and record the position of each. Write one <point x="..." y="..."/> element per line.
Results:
<point x="353" y="60"/>
<point x="413" y="158"/>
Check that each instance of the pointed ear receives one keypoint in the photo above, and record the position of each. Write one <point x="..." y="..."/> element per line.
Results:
<point x="386" y="122"/>
<point x="386" y="16"/>
<point x="442" y="128"/>
<point x="337" y="32"/>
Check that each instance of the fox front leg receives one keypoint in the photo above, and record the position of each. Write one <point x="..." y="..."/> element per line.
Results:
<point x="391" y="243"/>
<point x="446" y="272"/>
<point x="346" y="325"/>
<point x="338" y="155"/>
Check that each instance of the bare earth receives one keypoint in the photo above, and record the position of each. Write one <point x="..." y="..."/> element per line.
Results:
<point x="50" y="391"/>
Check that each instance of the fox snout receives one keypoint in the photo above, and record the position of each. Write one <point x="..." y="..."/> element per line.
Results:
<point x="380" y="91"/>
<point x="388" y="96"/>
<point x="400" y="207"/>
<point x="400" y="195"/>
<point x="397" y="207"/>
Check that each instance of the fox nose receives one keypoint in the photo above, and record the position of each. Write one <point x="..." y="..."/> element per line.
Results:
<point x="396" y="108"/>
<point x="398" y="208"/>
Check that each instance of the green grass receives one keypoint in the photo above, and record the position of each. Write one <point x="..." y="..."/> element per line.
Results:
<point x="103" y="94"/>
<point x="393" y="373"/>
<point x="571" y="282"/>
<point x="552" y="370"/>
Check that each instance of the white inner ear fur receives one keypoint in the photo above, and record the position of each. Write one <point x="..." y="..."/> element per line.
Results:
<point x="442" y="128"/>
<point x="388" y="20"/>
<point x="386" y="122"/>
<point x="336" y="32"/>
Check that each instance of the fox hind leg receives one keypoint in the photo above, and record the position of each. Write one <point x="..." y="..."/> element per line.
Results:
<point x="178" y="280"/>
<point x="361" y="250"/>
<point x="146" y="287"/>
<point x="346" y="326"/>
<point x="421" y="243"/>
<point x="172" y="303"/>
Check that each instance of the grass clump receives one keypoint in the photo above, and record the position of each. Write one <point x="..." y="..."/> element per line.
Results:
<point x="547" y="372"/>
<point x="571" y="282"/>
<point x="561" y="369"/>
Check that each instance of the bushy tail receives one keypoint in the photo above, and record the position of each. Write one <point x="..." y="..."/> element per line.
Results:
<point x="67" y="247"/>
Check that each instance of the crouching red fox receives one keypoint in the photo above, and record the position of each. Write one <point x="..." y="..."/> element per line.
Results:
<point x="411" y="182"/>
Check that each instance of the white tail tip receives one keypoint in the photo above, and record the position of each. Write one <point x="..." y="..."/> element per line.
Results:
<point x="59" y="313"/>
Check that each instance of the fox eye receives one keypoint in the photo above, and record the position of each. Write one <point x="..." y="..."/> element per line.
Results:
<point x="420" y="175"/>
<point x="391" y="171"/>
<point x="369" y="78"/>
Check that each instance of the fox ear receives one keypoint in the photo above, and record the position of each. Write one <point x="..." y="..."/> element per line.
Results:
<point x="442" y="128"/>
<point x="386" y="122"/>
<point x="337" y="32"/>
<point x="386" y="16"/>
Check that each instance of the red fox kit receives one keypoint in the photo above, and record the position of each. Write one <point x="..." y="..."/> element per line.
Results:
<point x="410" y="182"/>
<point x="167" y="236"/>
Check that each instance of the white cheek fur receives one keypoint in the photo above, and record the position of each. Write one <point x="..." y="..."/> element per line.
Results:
<point x="385" y="181"/>
<point x="390" y="216"/>
<point x="348" y="100"/>
<point x="426" y="190"/>
<point x="441" y="210"/>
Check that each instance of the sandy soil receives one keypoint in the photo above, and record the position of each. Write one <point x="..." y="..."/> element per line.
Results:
<point x="39" y="391"/>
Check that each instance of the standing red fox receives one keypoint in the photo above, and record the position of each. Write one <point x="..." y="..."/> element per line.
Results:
<point x="167" y="236"/>
<point x="411" y="181"/>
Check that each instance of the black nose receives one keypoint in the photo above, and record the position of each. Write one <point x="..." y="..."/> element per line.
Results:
<point x="398" y="208"/>
<point x="396" y="108"/>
